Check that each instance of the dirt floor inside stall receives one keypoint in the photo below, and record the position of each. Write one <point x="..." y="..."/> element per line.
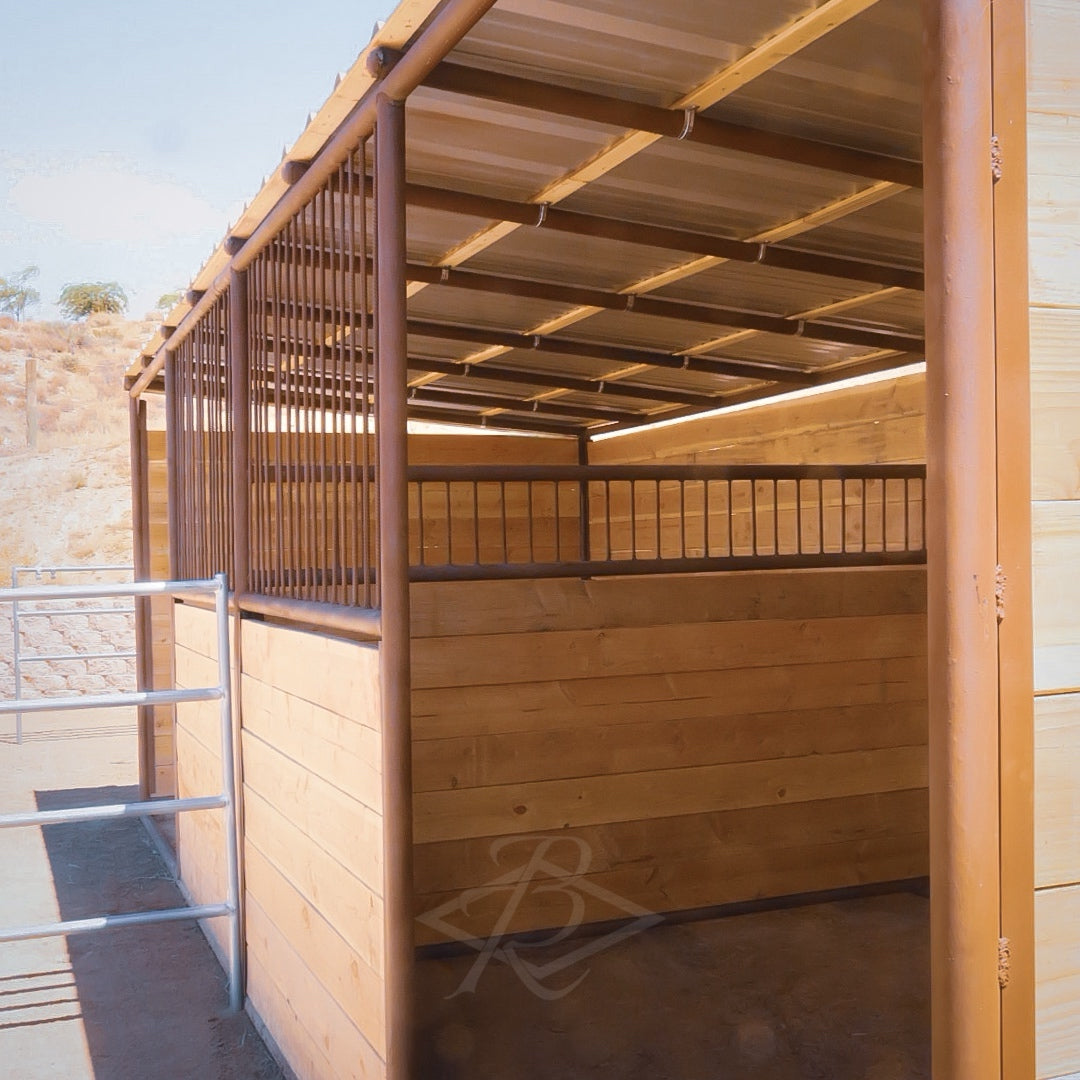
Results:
<point x="121" y="1004"/>
<point x="827" y="991"/>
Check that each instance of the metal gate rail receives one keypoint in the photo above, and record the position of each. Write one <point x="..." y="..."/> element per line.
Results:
<point x="225" y="800"/>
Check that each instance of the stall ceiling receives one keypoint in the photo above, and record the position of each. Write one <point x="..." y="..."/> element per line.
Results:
<point x="790" y="126"/>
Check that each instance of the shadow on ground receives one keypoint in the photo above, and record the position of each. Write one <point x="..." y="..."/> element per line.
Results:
<point x="153" y="999"/>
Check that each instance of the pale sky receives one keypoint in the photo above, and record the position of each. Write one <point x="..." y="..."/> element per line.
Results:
<point x="132" y="132"/>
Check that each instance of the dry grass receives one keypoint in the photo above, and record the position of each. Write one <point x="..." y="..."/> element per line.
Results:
<point x="69" y="499"/>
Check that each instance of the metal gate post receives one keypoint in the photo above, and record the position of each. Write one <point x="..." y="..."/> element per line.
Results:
<point x="15" y="655"/>
<point x="232" y="860"/>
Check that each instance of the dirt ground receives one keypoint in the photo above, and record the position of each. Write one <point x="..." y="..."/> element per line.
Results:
<point x="123" y="1004"/>
<point x="834" y="991"/>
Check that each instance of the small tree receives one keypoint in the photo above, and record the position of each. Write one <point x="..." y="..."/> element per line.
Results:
<point x="17" y="294"/>
<point x="167" y="301"/>
<point x="90" y="297"/>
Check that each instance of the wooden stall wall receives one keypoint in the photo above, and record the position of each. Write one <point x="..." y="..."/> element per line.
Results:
<point x="312" y="836"/>
<point x="1054" y="224"/>
<point x="164" y="772"/>
<point x="678" y="743"/>
<point x="874" y="423"/>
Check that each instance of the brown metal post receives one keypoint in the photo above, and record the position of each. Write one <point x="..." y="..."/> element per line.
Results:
<point x="394" y="668"/>
<point x="172" y="449"/>
<point x="1016" y="677"/>
<point x="239" y="376"/>
<point x="144" y="637"/>
<point x="583" y="502"/>
<point x="961" y="541"/>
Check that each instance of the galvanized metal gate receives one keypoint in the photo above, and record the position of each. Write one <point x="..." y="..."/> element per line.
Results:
<point x="225" y="801"/>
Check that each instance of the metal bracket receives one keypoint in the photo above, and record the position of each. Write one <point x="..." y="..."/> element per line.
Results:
<point x="689" y="116"/>
<point x="543" y="215"/>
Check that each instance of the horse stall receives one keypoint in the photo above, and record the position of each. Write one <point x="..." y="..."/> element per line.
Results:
<point x="558" y="412"/>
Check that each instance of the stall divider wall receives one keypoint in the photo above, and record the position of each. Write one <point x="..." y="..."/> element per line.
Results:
<point x="313" y="835"/>
<point x="695" y="740"/>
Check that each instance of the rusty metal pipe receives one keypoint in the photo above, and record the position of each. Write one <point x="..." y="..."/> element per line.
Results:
<point x="617" y="112"/>
<point x="961" y="540"/>
<point x="394" y="662"/>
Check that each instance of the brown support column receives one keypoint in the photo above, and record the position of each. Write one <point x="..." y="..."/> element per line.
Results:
<point x="239" y="368"/>
<point x="1016" y="677"/>
<point x="961" y="541"/>
<point x="144" y="636"/>
<point x="172" y="444"/>
<point x="393" y="580"/>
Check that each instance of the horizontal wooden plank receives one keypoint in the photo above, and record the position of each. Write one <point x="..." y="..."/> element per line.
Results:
<point x="483" y="660"/>
<point x="449" y="712"/>
<point x="1056" y="595"/>
<point x="876" y="423"/>
<point x="446" y="609"/>
<point x="675" y="886"/>
<point x="1057" y="981"/>
<point x="342" y="751"/>
<point x="445" y="866"/>
<point x="1057" y="790"/>
<point x="339" y="969"/>
<point x="341" y="676"/>
<point x="353" y="909"/>
<point x="303" y="1015"/>
<point x="1055" y="401"/>
<point x="341" y="825"/>
<point x="560" y="804"/>
<point x="602" y="749"/>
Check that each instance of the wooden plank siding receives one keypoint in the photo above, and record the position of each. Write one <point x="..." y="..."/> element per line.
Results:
<point x="701" y="739"/>
<point x="1054" y="283"/>
<point x="878" y="422"/>
<point x="312" y="835"/>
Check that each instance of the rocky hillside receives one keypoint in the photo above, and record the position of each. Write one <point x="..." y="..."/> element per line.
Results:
<point x="67" y="499"/>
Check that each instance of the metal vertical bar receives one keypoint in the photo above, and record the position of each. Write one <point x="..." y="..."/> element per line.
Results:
<point x="607" y="517"/>
<point x="962" y="548"/>
<point x="863" y="490"/>
<point x="633" y="521"/>
<point x="658" y="522"/>
<point x="172" y="421"/>
<point x="449" y="526"/>
<point x="706" y="515"/>
<point x="584" y="524"/>
<point x="821" y="517"/>
<point x="776" y="517"/>
<point x="394" y="584"/>
<point x="240" y="405"/>
<point x="476" y="522"/>
<point x="753" y="518"/>
<point x="420" y="518"/>
<point x="798" y="517"/>
<point x="682" y="518"/>
<point x="232" y="860"/>
<point x="502" y="509"/>
<point x="278" y="375"/>
<point x="907" y="516"/>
